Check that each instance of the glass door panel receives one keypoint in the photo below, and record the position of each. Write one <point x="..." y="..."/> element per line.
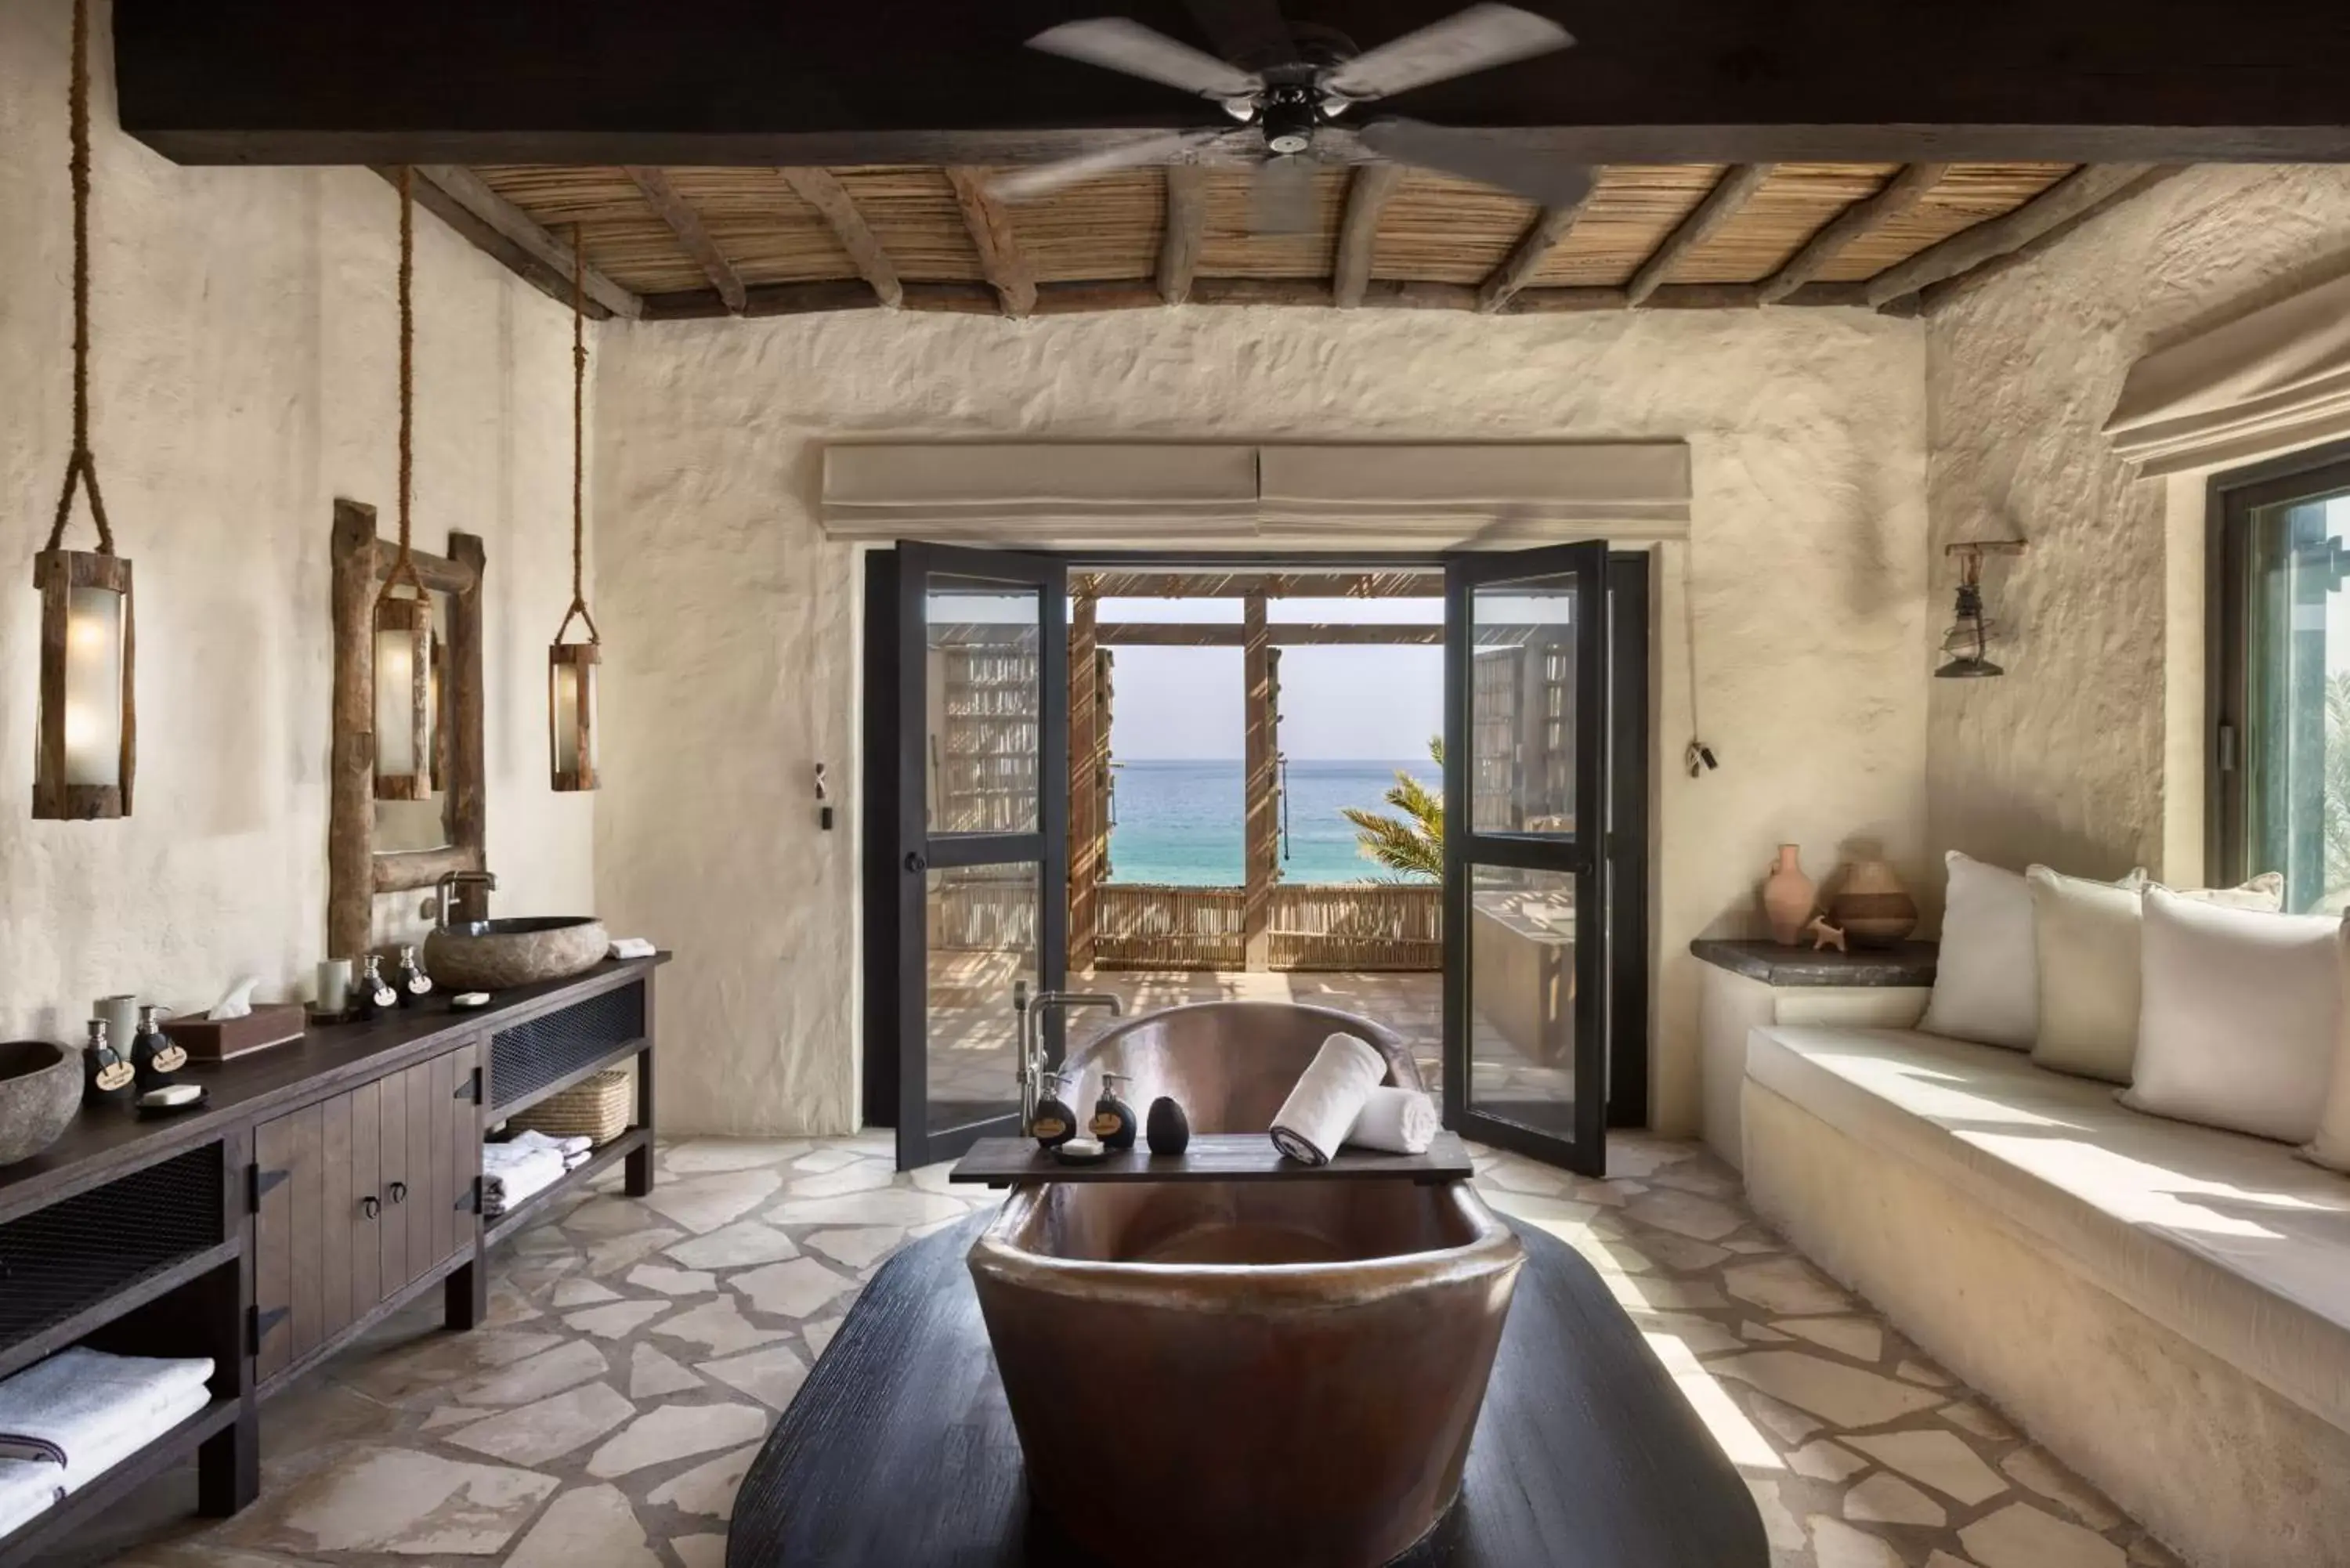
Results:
<point x="981" y="850"/>
<point x="1526" y="745"/>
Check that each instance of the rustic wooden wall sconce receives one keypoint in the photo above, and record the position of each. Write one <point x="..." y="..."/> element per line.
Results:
<point x="357" y="869"/>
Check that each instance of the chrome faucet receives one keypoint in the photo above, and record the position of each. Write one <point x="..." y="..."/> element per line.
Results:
<point x="445" y="892"/>
<point x="1031" y="1010"/>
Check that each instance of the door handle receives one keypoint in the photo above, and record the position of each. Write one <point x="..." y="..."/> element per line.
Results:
<point x="916" y="863"/>
<point x="370" y="1206"/>
<point x="399" y="1192"/>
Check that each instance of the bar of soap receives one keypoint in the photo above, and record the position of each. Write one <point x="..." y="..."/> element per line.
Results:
<point x="170" y="1095"/>
<point x="470" y="999"/>
<point x="1079" y="1151"/>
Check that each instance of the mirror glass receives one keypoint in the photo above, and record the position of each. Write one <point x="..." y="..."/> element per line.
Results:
<point x="403" y="826"/>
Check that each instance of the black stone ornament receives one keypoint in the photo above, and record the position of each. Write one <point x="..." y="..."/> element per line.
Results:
<point x="1168" y="1129"/>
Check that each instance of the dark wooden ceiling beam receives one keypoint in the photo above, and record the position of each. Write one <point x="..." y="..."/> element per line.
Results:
<point x="1233" y="584"/>
<point x="1358" y="230"/>
<point x="512" y="238"/>
<point x="821" y="189"/>
<point x="1000" y="257"/>
<point x="1186" y="226"/>
<point x="1899" y="194"/>
<point x="1731" y="191"/>
<point x="691" y="236"/>
<point x="1551" y="227"/>
<point x="2071" y="197"/>
<point x="740" y="82"/>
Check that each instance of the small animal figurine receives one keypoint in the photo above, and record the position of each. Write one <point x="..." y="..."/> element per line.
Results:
<point x="1824" y="935"/>
<point x="1168" y="1129"/>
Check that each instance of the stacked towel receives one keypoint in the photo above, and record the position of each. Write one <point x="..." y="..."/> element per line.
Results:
<point x="83" y="1412"/>
<point x="1396" y="1121"/>
<point x="1322" y="1109"/>
<point x="511" y="1171"/>
<point x="575" y="1151"/>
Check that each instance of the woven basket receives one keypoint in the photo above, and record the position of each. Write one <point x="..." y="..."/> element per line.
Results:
<point x="596" y="1107"/>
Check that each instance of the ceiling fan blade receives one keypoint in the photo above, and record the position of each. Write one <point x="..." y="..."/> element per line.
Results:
<point x="1249" y="31"/>
<point x="1043" y="179"/>
<point x="1485" y="156"/>
<point x="1129" y="46"/>
<point x="1476" y="39"/>
<point x="1280" y="199"/>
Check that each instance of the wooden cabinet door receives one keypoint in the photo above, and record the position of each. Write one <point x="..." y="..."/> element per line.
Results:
<point x="392" y="1184"/>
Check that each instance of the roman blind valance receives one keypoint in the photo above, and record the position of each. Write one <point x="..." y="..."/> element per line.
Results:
<point x="2264" y="383"/>
<point x="1138" y="495"/>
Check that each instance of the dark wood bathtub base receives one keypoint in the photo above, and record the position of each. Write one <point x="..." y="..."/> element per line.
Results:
<point x="900" y="1449"/>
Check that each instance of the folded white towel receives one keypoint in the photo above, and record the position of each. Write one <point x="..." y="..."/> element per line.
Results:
<point x="578" y="1144"/>
<point x="84" y="1401"/>
<point x="632" y="948"/>
<point x="1398" y="1121"/>
<point x="28" y="1490"/>
<point x="1314" y="1120"/>
<point x="120" y="1443"/>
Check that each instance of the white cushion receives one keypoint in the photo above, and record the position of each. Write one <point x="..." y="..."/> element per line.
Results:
<point x="2238" y="1015"/>
<point x="1985" y="977"/>
<point x="2085" y="934"/>
<point x="2227" y="1240"/>
<point x="2331" y="1145"/>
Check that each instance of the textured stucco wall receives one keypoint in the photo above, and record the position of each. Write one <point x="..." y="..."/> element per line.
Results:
<point x="731" y="620"/>
<point x="244" y="378"/>
<point x="2088" y="754"/>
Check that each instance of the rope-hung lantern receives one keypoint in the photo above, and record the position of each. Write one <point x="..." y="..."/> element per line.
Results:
<point x="84" y="750"/>
<point x="571" y="666"/>
<point x="404" y="695"/>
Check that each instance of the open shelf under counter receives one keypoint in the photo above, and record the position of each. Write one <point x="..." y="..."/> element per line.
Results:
<point x="34" y="1541"/>
<point x="604" y="1157"/>
<point x="1211" y="1156"/>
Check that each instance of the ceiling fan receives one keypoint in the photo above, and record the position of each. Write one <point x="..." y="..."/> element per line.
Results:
<point x="1289" y="108"/>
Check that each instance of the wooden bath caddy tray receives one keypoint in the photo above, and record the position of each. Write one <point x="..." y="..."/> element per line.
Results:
<point x="1212" y="1157"/>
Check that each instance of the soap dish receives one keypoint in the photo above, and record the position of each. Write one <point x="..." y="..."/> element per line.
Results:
<point x="153" y="1103"/>
<point x="1081" y="1151"/>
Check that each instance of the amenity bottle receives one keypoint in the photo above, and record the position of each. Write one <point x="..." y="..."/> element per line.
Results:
<point x="1055" y="1123"/>
<point x="155" y="1058"/>
<point x="1113" y="1122"/>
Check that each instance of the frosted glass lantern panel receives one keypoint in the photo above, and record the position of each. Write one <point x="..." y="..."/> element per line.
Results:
<point x="93" y="696"/>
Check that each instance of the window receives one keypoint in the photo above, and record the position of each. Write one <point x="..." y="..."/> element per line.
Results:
<point x="2280" y="670"/>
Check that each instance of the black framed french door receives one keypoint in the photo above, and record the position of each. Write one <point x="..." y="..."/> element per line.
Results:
<point x="968" y="815"/>
<point x="1527" y="851"/>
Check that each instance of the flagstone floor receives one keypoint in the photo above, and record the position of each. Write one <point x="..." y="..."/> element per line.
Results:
<point x="638" y="1353"/>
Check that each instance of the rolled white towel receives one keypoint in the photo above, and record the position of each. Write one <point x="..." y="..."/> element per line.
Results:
<point x="1397" y="1121"/>
<point x="1314" y="1121"/>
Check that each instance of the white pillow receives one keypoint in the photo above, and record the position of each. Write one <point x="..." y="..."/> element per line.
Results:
<point x="2332" y="1147"/>
<point x="1986" y="980"/>
<point x="2238" y="1017"/>
<point x="2086" y="938"/>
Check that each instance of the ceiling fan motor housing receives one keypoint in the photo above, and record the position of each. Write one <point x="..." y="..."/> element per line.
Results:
<point x="1289" y="116"/>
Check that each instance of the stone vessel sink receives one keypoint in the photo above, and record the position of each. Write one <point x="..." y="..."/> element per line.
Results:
<point x="40" y="1090"/>
<point x="1279" y="1371"/>
<point x="490" y="955"/>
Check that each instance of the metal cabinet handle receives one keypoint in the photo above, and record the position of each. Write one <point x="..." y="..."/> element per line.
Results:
<point x="370" y="1206"/>
<point x="917" y="862"/>
<point x="399" y="1192"/>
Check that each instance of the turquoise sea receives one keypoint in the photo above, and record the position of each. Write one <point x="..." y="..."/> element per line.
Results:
<point x="1179" y="822"/>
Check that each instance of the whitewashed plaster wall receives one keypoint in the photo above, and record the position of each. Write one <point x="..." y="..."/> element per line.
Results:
<point x="2089" y="753"/>
<point x="245" y="344"/>
<point x="730" y="619"/>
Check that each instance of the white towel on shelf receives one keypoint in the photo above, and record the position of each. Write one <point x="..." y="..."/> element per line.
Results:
<point x="86" y="1401"/>
<point x="575" y="1151"/>
<point x="1314" y="1121"/>
<point x="1396" y="1121"/>
<point x="27" y="1490"/>
<point x="118" y="1444"/>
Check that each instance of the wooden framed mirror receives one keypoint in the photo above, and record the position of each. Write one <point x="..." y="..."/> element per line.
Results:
<point x="393" y="846"/>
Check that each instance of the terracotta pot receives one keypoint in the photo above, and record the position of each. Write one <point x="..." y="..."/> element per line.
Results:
<point x="1871" y="908"/>
<point x="1787" y="895"/>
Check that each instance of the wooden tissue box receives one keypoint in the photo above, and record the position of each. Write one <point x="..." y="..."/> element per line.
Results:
<point x="220" y="1039"/>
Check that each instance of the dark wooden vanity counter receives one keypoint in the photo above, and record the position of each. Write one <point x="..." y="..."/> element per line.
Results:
<point x="104" y="1141"/>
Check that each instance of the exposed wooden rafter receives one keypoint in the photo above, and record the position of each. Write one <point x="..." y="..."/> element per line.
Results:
<point x="1000" y="257"/>
<point x="686" y="224"/>
<point x="1731" y="191"/>
<point x="1551" y="227"/>
<point x="820" y="189"/>
<point x="1934" y="296"/>
<point x="513" y="237"/>
<point x="1359" y="231"/>
<point x="2071" y="197"/>
<point x="1900" y="193"/>
<point x="1187" y="224"/>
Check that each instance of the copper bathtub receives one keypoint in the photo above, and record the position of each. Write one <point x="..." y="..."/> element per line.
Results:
<point x="1283" y="1371"/>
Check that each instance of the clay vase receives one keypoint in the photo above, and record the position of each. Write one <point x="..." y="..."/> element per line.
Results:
<point x="1872" y="908"/>
<point x="1787" y="895"/>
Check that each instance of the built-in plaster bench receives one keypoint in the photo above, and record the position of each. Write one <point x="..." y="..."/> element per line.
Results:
<point x="2165" y="1307"/>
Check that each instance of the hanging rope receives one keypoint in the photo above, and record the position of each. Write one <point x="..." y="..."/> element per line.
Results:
<point x="404" y="565"/>
<point x="81" y="466"/>
<point x="579" y="417"/>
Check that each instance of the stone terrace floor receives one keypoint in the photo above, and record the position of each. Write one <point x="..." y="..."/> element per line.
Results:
<point x="637" y="1352"/>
